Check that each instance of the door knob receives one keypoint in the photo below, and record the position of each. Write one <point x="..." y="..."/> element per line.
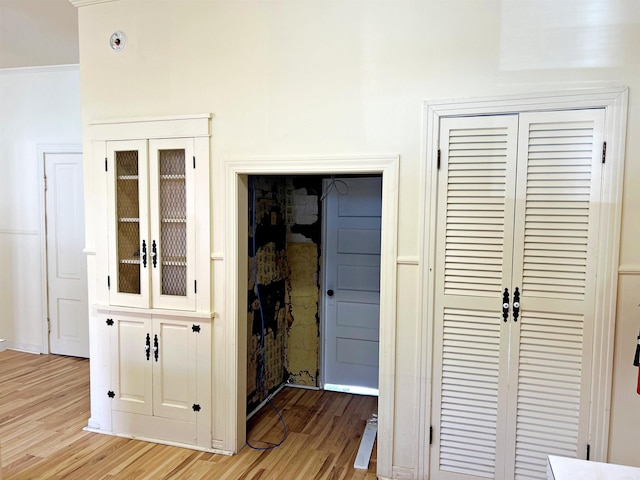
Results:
<point x="330" y="292"/>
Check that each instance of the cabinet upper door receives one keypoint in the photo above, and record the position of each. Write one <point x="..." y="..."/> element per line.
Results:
<point x="172" y="214"/>
<point x="128" y="206"/>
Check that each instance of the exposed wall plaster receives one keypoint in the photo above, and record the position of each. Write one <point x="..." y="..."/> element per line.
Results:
<point x="288" y="228"/>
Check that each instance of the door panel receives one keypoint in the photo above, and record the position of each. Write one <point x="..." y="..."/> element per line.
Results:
<point x="128" y="207"/>
<point x="66" y="266"/>
<point x="174" y="382"/>
<point x="559" y="171"/>
<point x="172" y="223"/>
<point x="131" y="367"/>
<point x="473" y="263"/>
<point x="352" y="273"/>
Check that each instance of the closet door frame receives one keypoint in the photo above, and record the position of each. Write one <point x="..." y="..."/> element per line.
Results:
<point x="614" y="101"/>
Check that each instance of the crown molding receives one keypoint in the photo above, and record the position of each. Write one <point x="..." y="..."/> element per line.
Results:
<point x="40" y="69"/>
<point x="86" y="3"/>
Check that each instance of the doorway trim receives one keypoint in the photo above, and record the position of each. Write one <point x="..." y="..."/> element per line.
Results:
<point x="235" y="280"/>
<point x="43" y="151"/>
<point x="615" y="103"/>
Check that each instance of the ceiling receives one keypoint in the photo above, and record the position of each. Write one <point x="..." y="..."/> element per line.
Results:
<point x="37" y="33"/>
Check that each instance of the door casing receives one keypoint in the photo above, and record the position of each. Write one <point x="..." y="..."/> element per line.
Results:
<point x="615" y="102"/>
<point x="235" y="279"/>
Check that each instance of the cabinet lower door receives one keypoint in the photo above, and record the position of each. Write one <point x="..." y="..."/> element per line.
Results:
<point x="174" y="373"/>
<point x="131" y="369"/>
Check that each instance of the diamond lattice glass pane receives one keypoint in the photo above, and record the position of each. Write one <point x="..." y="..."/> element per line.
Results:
<point x="173" y="222"/>
<point x="128" y="211"/>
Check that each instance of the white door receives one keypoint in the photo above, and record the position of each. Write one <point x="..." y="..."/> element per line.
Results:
<point x="174" y="373"/>
<point x="66" y="265"/>
<point x="134" y="349"/>
<point x="517" y="214"/>
<point x="130" y="248"/>
<point x="172" y="215"/>
<point x="351" y="302"/>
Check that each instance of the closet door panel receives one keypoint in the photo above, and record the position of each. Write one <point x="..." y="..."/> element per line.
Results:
<point x="557" y="198"/>
<point x="473" y="267"/>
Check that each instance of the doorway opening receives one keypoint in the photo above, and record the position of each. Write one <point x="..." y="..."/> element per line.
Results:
<point x="313" y="291"/>
<point x="236" y="276"/>
<point x="312" y="301"/>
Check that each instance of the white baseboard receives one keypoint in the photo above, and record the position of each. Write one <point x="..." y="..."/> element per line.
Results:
<point x="3" y="344"/>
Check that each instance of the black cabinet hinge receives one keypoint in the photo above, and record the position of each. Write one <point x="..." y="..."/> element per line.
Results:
<point x="195" y="286"/>
<point x="430" y="435"/>
<point x="195" y="329"/>
<point x="110" y="322"/>
<point x="106" y="164"/>
<point x="438" y="160"/>
<point x="194" y="161"/>
<point x="196" y="407"/>
<point x="108" y="282"/>
<point x="588" y="451"/>
<point x="111" y="394"/>
<point x="604" y="151"/>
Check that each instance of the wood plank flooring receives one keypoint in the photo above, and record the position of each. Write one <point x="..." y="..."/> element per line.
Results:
<point x="44" y="404"/>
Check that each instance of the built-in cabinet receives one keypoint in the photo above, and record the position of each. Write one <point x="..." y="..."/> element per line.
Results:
<point x="515" y="291"/>
<point x="153" y="268"/>
<point x="151" y="212"/>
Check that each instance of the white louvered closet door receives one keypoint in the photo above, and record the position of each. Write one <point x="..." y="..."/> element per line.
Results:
<point x="473" y="266"/>
<point x="558" y="193"/>
<point x="518" y="200"/>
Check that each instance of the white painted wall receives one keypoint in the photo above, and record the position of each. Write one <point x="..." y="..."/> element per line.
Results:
<point x="38" y="106"/>
<point x="324" y="78"/>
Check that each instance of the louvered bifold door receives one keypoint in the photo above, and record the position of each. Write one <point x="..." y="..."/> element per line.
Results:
<point x="476" y="182"/>
<point x="558" y="192"/>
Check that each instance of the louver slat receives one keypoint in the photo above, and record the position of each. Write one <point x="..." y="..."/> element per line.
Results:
<point x="469" y="396"/>
<point x="567" y="217"/>
<point x="475" y="209"/>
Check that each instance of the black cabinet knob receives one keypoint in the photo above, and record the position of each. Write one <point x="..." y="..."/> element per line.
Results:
<point x="330" y="292"/>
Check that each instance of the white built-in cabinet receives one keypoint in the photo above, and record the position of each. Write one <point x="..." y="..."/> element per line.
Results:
<point x="515" y="269"/>
<point x="153" y="268"/>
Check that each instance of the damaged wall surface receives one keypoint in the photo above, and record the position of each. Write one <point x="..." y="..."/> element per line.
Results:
<point x="287" y="242"/>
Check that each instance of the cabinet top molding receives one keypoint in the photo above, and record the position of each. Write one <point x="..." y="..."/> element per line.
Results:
<point x="195" y="125"/>
<point x="86" y="3"/>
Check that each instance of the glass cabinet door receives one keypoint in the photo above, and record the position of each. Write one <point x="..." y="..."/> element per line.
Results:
<point x="172" y="247"/>
<point x="128" y="242"/>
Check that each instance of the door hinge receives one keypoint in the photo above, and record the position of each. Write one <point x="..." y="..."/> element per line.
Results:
<point x="604" y="151"/>
<point x="111" y="394"/>
<point x="108" y="282"/>
<point x="195" y="286"/>
<point x="195" y="328"/>
<point x="196" y="407"/>
<point x="430" y="435"/>
<point x="194" y="161"/>
<point x="106" y="167"/>
<point x="45" y="183"/>
<point x="438" y="162"/>
<point x="110" y="322"/>
<point x="588" y="451"/>
<point x="48" y="325"/>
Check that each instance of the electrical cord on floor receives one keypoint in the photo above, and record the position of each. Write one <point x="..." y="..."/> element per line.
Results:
<point x="255" y="281"/>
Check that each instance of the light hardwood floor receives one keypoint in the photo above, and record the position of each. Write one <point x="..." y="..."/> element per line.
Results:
<point x="44" y="404"/>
